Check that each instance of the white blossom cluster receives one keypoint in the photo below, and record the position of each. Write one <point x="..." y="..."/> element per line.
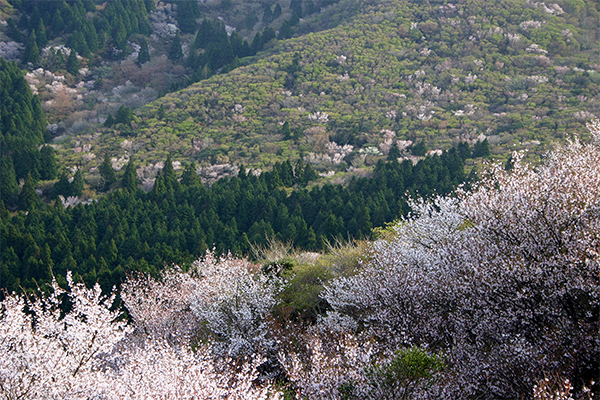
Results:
<point x="583" y="115"/>
<point x="469" y="79"/>
<point x="427" y="89"/>
<point x="335" y="154"/>
<point x="319" y="117"/>
<point x="341" y="59"/>
<point x="344" y="78"/>
<point x="513" y="38"/>
<point x="66" y="51"/>
<point x="537" y="79"/>
<point x="388" y="138"/>
<point x="11" y="50"/>
<point x="529" y="25"/>
<point x="535" y="49"/>
<point x="234" y="300"/>
<point x="238" y="109"/>
<point x="553" y="9"/>
<point x="329" y="361"/>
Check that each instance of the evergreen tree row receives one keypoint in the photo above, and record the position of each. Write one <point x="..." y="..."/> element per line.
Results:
<point x="131" y="230"/>
<point x="112" y="24"/>
<point x="22" y="132"/>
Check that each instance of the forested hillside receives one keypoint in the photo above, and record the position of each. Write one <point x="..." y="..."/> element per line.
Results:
<point x="336" y="84"/>
<point x="22" y="134"/>
<point x="357" y="77"/>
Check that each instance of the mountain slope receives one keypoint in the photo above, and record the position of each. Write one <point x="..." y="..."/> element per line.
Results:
<point x="520" y="74"/>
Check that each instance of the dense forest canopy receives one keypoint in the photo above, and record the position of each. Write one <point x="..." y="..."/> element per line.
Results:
<point x="22" y="132"/>
<point x="131" y="230"/>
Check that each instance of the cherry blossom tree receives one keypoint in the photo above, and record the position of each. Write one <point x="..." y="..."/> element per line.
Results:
<point x="46" y="355"/>
<point x="233" y="298"/>
<point x="161" y="308"/>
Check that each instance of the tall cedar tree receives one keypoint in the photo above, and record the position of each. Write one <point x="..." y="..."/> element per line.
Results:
<point x="189" y="176"/>
<point x="175" y="52"/>
<point x="144" y="54"/>
<point x="187" y="12"/>
<point x="77" y="184"/>
<point x="32" y="51"/>
<point x="130" y="179"/>
<point x="49" y="167"/>
<point x="41" y="37"/>
<point x="28" y="198"/>
<point x="73" y="63"/>
<point x="9" y="187"/>
<point x="107" y="172"/>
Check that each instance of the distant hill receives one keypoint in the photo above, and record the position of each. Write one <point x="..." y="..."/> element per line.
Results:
<point x="519" y="73"/>
<point x="337" y="84"/>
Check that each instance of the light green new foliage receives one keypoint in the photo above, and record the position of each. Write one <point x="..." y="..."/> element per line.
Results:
<point x="410" y="370"/>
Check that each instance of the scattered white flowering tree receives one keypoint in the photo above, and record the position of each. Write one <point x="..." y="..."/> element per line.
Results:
<point x="485" y="294"/>
<point x="161" y="308"/>
<point x="233" y="298"/>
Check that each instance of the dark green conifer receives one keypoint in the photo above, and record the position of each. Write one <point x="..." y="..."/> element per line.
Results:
<point x="57" y="24"/>
<point x="62" y="187"/>
<point x="169" y="175"/>
<point x="175" y="52"/>
<point x="394" y="153"/>
<point x="32" y="51"/>
<point x="267" y="15"/>
<point x="481" y="149"/>
<point x="9" y="187"/>
<point x="144" y="53"/>
<point x="23" y="22"/>
<point x="419" y="149"/>
<point x="41" y="38"/>
<point x="130" y="179"/>
<point x="73" y="63"/>
<point x="120" y="34"/>
<point x="107" y="173"/>
<point x="187" y="12"/>
<point x="161" y="111"/>
<point x="124" y="115"/>
<point x="49" y="167"/>
<point x="286" y="131"/>
<point x="285" y="31"/>
<point x="296" y="7"/>
<point x="77" y="184"/>
<point x="28" y="198"/>
<point x="13" y="31"/>
<point x="91" y="36"/>
<point x="110" y="121"/>
<point x="189" y="176"/>
<point x="204" y="35"/>
<point x="309" y="174"/>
